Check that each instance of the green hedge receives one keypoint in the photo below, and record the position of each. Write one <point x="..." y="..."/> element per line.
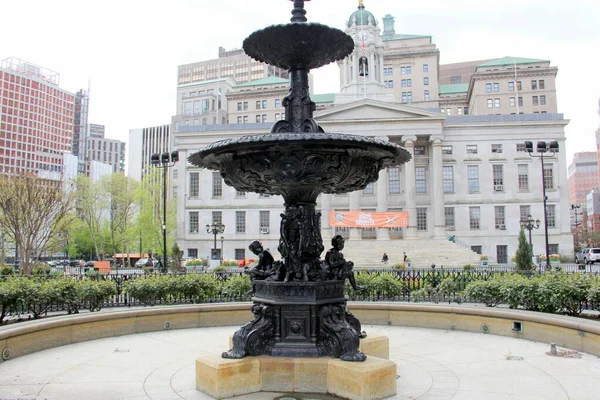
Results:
<point x="20" y="295"/>
<point x="551" y="293"/>
<point x="153" y="289"/>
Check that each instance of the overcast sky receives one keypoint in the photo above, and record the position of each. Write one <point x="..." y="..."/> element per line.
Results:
<point x="129" y="50"/>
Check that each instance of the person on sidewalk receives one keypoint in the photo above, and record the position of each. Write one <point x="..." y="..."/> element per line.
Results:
<point x="384" y="258"/>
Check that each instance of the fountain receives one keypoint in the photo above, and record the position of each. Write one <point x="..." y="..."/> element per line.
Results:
<point x="301" y="312"/>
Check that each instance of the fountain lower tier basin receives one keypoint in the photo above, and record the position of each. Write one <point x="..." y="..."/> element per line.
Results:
<point x="290" y="164"/>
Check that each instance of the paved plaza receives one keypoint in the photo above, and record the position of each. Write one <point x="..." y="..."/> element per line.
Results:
<point x="432" y="365"/>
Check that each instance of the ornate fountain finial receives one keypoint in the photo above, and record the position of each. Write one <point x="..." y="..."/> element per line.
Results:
<point x="361" y="6"/>
<point x="298" y="13"/>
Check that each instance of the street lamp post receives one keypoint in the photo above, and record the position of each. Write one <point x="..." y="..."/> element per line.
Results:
<point x="215" y="229"/>
<point x="530" y="224"/>
<point x="575" y="208"/>
<point x="222" y="251"/>
<point x="164" y="161"/>
<point x="545" y="150"/>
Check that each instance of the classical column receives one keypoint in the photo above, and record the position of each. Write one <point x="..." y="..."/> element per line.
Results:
<point x="326" y="230"/>
<point x="345" y="72"/>
<point x="355" y="233"/>
<point x="409" y="188"/>
<point x="372" y="67"/>
<point x="437" y="198"/>
<point x="382" y="202"/>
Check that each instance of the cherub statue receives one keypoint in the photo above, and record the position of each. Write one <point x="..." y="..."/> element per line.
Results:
<point x="263" y="269"/>
<point x="336" y="267"/>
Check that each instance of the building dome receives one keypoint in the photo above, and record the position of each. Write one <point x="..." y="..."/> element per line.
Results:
<point x="362" y="17"/>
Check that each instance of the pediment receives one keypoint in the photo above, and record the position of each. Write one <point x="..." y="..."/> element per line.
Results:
<point x="368" y="109"/>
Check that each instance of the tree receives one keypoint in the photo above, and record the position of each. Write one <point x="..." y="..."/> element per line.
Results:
<point x="524" y="254"/>
<point x="177" y="257"/>
<point x="33" y="211"/>
<point x="90" y="210"/>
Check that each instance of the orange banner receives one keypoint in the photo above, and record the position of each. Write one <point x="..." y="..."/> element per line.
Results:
<point x="365" y="219"/>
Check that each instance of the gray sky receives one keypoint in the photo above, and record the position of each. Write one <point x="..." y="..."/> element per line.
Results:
<point x="130" y="49"/>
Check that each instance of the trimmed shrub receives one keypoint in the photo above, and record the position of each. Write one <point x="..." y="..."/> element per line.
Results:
<point x="94" y="293"/>
<point x="6" y="270"/>
<point x="237" y="286"/>
<point x="487" y="292"/>
<point x="40" y="269"/>
<point x="401" y="266"/>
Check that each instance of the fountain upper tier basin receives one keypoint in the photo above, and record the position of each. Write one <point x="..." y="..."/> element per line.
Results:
<point x="298" y="45"/>
<point x="282" y="163"/>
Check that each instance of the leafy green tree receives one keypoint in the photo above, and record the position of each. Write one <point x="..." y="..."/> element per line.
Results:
<point x="524" y="256"/>
<point x="33" y="211"/>
<point x="90" y="211"/>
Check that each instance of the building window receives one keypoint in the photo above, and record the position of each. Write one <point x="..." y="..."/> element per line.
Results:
<point x="502" y="254"/>
<point x="217" y="186"/>
<point x="387" y="72"/>
<point x="403" y="83"/>
<point x="456" y="79"/>
<point x="257" y="119"/>
<point x="240" y="195"/>
<point x="240" y="254"/>
<point x="448" y="111"/>
<point x="217" y="217"/>
<point x="276" y="116"/>
<point x="496" y="87"/>
<point x="533" y="85"/>
<point x="446" y="149"/>
<point x="497" y="103"/>
<point x="239" y="120"/>
<point x="520" y="101"/>
<point x="264" y="104"/>
<point x="264" y="118"/>
<point x="551" y="215"/>
<point x="419" y="150"/>
<point x="523" y="177"/>
<point x="426" y="95"/>
<point x="277" y="103"/>
<point x="245" y="119"/>
<point x="542" y="84"/>
<point x="402" y="70"/>
<point x="490" y="103"/>
<point x="449" y="217"/>
<point x="409" y="82"/>
<point x="520" y="147"/>
<point x="488" y="88"/>
<point x="519" y="86"/>
<point x="394" y="180"/>
<point x="496" y="148"/>
<point x="553" y="248"/>
<point x="404" y="97"/>
<point x="194" y="184"/>
<point x="466" y="110"/>
<point x="425" y="68"/>
<point x="498" y="177"/>
<point x="474" y="218"/>
<point x="409" y="94"/>
<point x="408" y="70"/>
<point x="389" y="84"/>
<point x="421" y="179"/>
<point x="421" y="219"/>
<point x="549" y="176"/>
<point x="534" y="99"/>
<point x="192" y="253"/>
<point x="512" y="101"/>
<point x="264" y="221"/>
<point x="369" y="189"/>
<point x="499" y="217"/>
<point x="426" y="81"/>
<point x="476" y="249"/>
<point x="258" y="104"/>
<point x="448" y="179"/>
<point x="511" y="86"/>
<point x="240" y="222"/>
<point x="524" y="212"/>
<point x="459" y="110"/>
<point x="471" y="149"/>
<point x="543" y="100"/>
<point x="194" y="222"/>
<point x="473" y="177"/>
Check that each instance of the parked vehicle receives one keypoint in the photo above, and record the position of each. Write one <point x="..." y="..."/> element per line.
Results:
<point x="588" y="255"/>
<point x="147" y="262"/>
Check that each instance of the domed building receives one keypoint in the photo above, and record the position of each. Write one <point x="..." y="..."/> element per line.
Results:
<point x="470" y="178"/>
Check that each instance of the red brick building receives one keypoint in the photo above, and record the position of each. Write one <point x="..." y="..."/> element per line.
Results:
<point x="36" y="120"/>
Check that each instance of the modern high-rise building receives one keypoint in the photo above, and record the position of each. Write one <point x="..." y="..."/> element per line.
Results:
<point x="142" y="144"/>
<point x="470" y="177"/>
<point x="101" y="149"/>
<point x="582" y="176"/>
<point x="36" y="120"/>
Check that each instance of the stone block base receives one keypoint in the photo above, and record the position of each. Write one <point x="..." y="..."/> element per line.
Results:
<point x="376" y="346"/>
<point x="221" y="378"/>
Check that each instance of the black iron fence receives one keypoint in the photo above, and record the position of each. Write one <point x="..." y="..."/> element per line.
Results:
<point x="394" y="285"/>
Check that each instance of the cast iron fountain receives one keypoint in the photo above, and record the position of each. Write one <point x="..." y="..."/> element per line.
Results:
<point x="301" y="312"/>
